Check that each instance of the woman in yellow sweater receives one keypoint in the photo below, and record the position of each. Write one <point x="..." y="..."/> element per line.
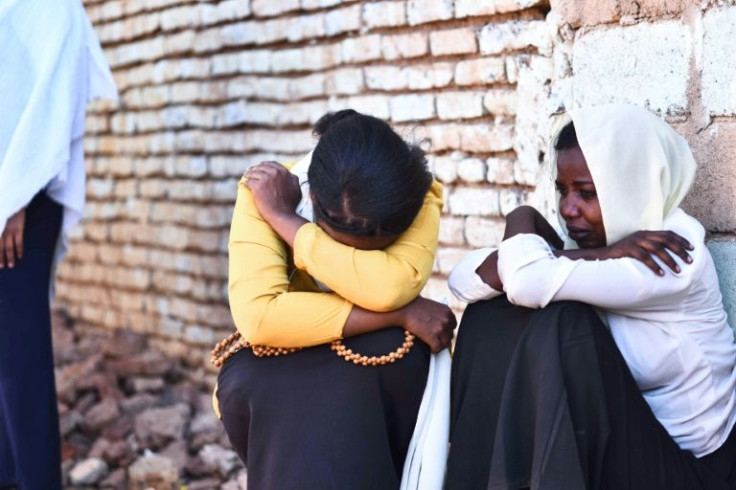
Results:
<point x="339" y="247"/>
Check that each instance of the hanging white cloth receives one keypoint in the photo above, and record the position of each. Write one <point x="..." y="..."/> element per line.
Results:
<point x="52" y="65"/>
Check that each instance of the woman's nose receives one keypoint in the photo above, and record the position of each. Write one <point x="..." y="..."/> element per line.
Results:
<point x="568" y="208"/>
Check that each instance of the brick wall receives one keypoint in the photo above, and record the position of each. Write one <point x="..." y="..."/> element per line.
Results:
<point x="209" y="88"/>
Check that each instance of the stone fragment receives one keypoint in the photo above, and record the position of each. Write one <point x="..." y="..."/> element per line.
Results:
<point x="153" y="471"/>
<point x="116" y="480"/>
<point x="157" y="426"/>
<point x="145" y="363"/>
<point x="219" y="458"/>
<point x="124" y="343"/>
<point x="88" y="472"/>
<point x="100" y="415"/>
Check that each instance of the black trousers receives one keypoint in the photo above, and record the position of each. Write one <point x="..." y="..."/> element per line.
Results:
<point x="29" y="425"/>
<point x="543" y="399"/>
<point x="309" y="420"/>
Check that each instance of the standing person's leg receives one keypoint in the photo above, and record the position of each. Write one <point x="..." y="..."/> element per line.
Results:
<point x="27" y="387"/>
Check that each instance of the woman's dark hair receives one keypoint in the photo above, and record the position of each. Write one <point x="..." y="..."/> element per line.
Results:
<point x="364" y="179"/>
<point x="567" y="139"/>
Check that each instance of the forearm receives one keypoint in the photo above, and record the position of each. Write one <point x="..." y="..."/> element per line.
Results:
<point x="363" y="321"/>
<point x="286" y="226"/>
<point x="488" y="272"/>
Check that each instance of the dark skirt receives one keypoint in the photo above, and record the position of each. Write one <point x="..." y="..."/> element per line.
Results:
<point x="543" y="399"/>
<point x="30" y="453"/>
<point x="310" y="420"/>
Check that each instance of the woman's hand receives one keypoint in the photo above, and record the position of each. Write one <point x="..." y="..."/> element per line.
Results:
<point x="429" y="320"/>
<point x="275" y="189"/>
<point x="277" y="193"/>
<point x="11" y="240"/>
<point x="645" y="245"/>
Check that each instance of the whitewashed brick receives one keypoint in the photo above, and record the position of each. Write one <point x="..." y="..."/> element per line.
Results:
<point x="472" y="170"/>
<point x="342" y="20"/>
<point x="448" y="258"/>
<point x="434" y="75"/>
<point x="497" y="38"/>
<point x="467" y="8"/>
<point x="360" y="49"/>
<point x="451" y="230"/>
<point x="501" y="102"/>
<point x="645" y="64"/>
<point x="387" y="77"/>
<point x="460" y="105"/>
<point x="384" y="14"/>
<point x="181" y="42"/>
<point x="347" y="81"/>
<point x="481" y="138"/>
<point x="318" y="4"/>
<point x="409" y="45"/>
<point x="480" y="71"/>
<point x="510" y="199"/>
<point x="374" y="105"/>
<point x="307" y="58"/>
<point x="475" y="201"/>
<point x="422" y="11"/>
<point x="482" y="232"/>
<point x="500" y="170"/>
<point x="441" y="136"/>
<point x="179" y="17"/>
<point x="268" y="8"/>
<point x="263" y="87"/>
<point x="412" y="107"/>
<point x="453" y="41"/>
<point x="229" y="10"/>
<point x="445" y="167"/>
<point x="308" y="86"/>
<point x="719" y="69"/>
<point x="304" y="27"/>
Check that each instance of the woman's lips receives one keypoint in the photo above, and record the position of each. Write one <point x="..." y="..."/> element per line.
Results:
<point x="577" y="233"/>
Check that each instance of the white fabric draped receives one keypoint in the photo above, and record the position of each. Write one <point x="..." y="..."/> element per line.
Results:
<point x="52" y="65"/>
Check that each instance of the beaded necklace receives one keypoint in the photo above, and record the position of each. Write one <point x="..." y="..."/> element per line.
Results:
<point x="234" y="342"/>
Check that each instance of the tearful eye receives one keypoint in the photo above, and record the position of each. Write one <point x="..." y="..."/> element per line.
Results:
<point x="560" y="190"/>
<point x="588" y="195"/>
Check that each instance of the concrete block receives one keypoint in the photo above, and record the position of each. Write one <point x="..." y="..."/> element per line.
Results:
<point x="712" y="198"/>
<point x="345" y="81"/>
<point x="501" y="102"/>
<point x="724" y="257"/>
<point x="451" y="230"/>
<point x="719" y="69"/>
<point x="594" y="12"/>
<point x="472" y="170"/>
<point x="500" y="170"/>
<point x="644" y="64"/>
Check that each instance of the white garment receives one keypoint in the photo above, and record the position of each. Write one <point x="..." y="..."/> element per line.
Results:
<point x="52" y="65"/>
<point x="672" y="330"/>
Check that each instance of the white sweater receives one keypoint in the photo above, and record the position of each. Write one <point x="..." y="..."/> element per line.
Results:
<point x="672" y="330"/>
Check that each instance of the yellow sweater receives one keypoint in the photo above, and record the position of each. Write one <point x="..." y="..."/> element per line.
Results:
<point x="273" y="298"/>
<point x="278" y="304"/>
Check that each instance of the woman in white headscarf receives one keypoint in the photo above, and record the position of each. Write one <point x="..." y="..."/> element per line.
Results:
<point x="52" y="65"/>
<point x="550" y="396"/>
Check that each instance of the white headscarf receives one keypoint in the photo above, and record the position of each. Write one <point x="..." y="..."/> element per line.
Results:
<point x="642" y="169"/>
